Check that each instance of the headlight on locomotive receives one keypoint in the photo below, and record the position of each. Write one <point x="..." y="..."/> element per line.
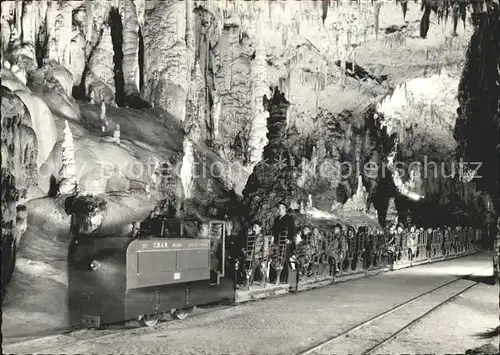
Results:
<point x="94" y="265"/>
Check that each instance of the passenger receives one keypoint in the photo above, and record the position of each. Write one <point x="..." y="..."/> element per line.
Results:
<point x="284" y="223"/>
<point x="317" y="240"/>
<point x="360" y="250"/>
<point x="377" y="243"/>
<point x="235" y="246"/>
<point x="368" y="248"/>
<point x="204" y="232"/>
<point x="135" y="230"/>
<point x="412" y="242"/>
<point x="303" y="251"/>
<point x="392" y="245"/>
<point x="260" y="258"/>
<point x="153" y="214"/>
<point x="496" y="250"/>
<point x="336" y="253"/>
<point x="399" y="236"/>
<point x="344" y="249"/>
<point x="429" y="242"/>
<point x="306" y="232"/>
<point x="351" y="246"/>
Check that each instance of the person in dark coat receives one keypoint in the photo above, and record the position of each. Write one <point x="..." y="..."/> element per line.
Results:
<point x="284" y="223"/>
<point x="235" y="248"/>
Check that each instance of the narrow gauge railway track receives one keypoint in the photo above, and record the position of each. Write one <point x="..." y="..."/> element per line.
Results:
<point x="71" y="337"/>
<point x="363" y="332"/>
<point x="82" y="336"/>
<point x="78" y="335"/>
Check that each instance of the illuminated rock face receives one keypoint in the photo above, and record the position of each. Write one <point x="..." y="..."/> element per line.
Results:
<point x="87" y="214"/>
<point x="212" y="62"/>
<point x="421" y="112"/>
<point x="19" y="173"/>
<point x="67" y="184"/>
<point x="100" y="78"/>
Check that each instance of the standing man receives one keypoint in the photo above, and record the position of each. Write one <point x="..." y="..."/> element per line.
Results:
<point x="284" y="223"/>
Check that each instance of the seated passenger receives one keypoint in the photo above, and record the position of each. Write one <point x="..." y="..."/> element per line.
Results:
<point x="204" y="232"/>
<point x="317" y="240"/>
<point x="261" y="253"/>
<point x="302" y="253"/>
<point x="337" y="250"/>
<point x="392" y="248"/>
<point x="235" y="249"/>
<point x="155" y="213"/>
<point x="135" y="230"/>
<point x="412" y="242"/>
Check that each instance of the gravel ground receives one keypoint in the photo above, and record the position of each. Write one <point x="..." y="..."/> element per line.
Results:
<point x="293" y="323"/>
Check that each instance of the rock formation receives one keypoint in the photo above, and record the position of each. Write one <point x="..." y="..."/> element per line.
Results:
<point x="131" y="74"/>
<point x="100" y="79"/>
<point x="116" y="134"/>
<point x="87" y="214"/>
<point x="67" y="184"/>
<point x="212" y="63"/>
<point x="188" y="162"/>
<point x="19" y="173"/>
<point x="358" y="201"/>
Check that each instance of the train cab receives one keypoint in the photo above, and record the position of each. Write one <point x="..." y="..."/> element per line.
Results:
<point x="171" y="266"/>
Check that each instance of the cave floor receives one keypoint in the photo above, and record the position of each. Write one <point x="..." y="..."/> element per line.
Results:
<point x="296" y="322"/>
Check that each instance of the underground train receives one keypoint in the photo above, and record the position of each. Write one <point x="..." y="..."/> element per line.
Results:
<point x="168" y="269"/>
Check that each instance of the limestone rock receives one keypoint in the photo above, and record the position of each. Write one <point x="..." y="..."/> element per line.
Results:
<point x="358" y="201"/>
<point x="59" y="30"/>
<point x="187" y="168"/>
<point x="486" y="349"/>
<point x="166" y="65"/>
<point x="53" y="83"/>
<point x="116" y="134"/>
<point x="19" y="173"/>
<point x="130" y="48"/>
<point x="77" y="47"/>
<point x="67" y="184"/>
<point x="100" y="80"/>
<point x="87" y="214"/>
<point x="42" y="122"/>
<point x="52" y="69"/>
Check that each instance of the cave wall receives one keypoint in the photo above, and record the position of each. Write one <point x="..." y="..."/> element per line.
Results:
<point x="19" y="173"/>
<point x="210" y="63"/>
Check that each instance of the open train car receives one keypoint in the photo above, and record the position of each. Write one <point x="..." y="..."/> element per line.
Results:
<point x="172" y="266"/>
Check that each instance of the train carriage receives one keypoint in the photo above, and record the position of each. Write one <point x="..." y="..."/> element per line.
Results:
<point x="169" y="269"/>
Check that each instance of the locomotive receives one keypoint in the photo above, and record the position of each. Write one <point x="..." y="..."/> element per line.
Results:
<point x="171" y="266"/>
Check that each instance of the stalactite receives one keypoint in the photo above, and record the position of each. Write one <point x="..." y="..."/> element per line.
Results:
<point x="378" y="5"/>
<point x="325" y="4"/>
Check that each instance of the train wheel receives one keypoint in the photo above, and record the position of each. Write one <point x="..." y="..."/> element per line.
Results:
<point x="149" y="321"/>
<point x="180" y="313"/>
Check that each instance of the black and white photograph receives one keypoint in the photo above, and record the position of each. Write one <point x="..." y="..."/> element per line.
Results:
<point x="250" y="177"/>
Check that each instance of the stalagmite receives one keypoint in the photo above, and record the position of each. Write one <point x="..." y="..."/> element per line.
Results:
<point x="100" y="77"/>
<point x="104" y="119"/>
<point x="156" y="173"/>
<point x="67" y="184"/>
<point x="257" y="137"/>
<point x="116" y="134"/>
<point x="216" y="112"/>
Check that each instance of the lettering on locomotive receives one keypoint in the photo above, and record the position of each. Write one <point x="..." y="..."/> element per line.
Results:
<point x="161" y="244"/>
